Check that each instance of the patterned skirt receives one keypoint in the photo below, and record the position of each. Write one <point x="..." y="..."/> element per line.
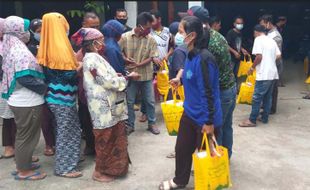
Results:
<point x="68" y="138"/>
<point x="111" y="150"/>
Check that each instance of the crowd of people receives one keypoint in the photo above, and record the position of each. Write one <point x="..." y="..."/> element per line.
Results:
<point x="87" y="86"/>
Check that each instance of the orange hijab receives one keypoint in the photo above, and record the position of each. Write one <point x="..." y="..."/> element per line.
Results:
<point x="55" y="50"/>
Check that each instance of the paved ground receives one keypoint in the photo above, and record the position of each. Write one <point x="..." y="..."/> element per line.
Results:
<point x="269" y="157"/>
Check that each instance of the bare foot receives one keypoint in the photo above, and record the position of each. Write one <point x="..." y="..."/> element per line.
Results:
<point x="102" y="178"/>
<point x="143" y="118"/>
<point x="49" y="151"/>
<point x="72" y="175"/>
<point x="8" y="152"/>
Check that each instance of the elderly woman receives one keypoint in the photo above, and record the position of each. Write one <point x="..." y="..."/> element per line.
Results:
<point x="108" y="108"/>
<point x="23" y="87"/>
<point x="56" y="55"/>
<point x="8" y="126"/>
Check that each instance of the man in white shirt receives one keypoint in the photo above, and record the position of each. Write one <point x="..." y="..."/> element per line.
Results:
<point x="267" y="52"/>
<point x="273" y="33"/>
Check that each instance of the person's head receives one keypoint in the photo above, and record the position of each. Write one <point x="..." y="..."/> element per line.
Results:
<point x="266" y="21"/>
<point x="259" y="30"/>
<point x="239" y="23"/>
<point x="35" y="28"/>
<point x="113" y="29"/>
<point x="157" y="19"/>
<point x="91" y="20"/>
<point x="173" y="28"/>
<point x="215" y="23"/>
<point x="201" y="13"/>
<point x="282" y="20"/>
<point x="93" y="40"/>
<point x="17" y="26"/>
<point x="121" y="16"/>
<point x="144" y="23"/>
<point x="191" y="28"/>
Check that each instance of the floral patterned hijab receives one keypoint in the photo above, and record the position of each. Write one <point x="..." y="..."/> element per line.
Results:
<point x="18" y="61"/>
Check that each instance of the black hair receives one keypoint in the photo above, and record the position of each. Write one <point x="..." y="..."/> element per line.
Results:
<point x="281" y="18"/>
<point x="266" y="18"/>
<point x="143" y="18"/>
<point x="194" y="24"/>
<point x="214" y="19"/>
<point x="238" y="17"/>
<point x="89" y="15"/>
<point x="156" y="13"/>
<point x="87" y="45"/>
<point x="120" y="10"/>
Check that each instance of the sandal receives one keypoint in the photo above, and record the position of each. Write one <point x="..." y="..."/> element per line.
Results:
<point x="247" y="123"/>
<point x="143" y="118"/>
<point x="49" y="152"/>
<point x="33" y="167"/>
<point x="307" y="97"/>
<point x="33" y="177"/>
<point x="169" y="185"/>
<point x="35" y="159"/>
<point x="171" y="155"/>
<point x="71" y="175"/>
<point x="8" y="157"/>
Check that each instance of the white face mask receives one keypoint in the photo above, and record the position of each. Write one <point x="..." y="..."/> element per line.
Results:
<point x="179" y="39"/>
<point x="239" y="26"/>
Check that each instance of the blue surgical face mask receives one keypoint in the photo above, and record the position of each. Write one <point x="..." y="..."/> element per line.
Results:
<point x="179" y="39"/>
<point x="37" y="36"/>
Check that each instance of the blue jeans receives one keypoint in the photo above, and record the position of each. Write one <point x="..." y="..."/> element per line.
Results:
<point x="262" y="95"/>
<point x="224" y="134"/>
<point x="148" y="99"/>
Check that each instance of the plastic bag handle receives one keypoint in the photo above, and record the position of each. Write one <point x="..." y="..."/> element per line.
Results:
<point x="174" y="94"/>
<point x="206" y="143"/>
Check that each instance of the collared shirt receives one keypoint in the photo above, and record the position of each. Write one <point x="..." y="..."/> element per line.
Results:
<point x="140" y="49"/>
<point x="218" y="46"/>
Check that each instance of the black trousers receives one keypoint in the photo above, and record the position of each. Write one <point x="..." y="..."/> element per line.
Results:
<point x="274" y="97"/>
<point x="8" y="132"/>
<point x="86" y="124"/>
<point x="188" y="139"/>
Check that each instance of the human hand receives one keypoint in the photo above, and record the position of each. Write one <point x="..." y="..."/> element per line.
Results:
<point x="250" y="71"/>
<point x="209" y="129"/>
<point x="134" y="75"/>
<point x="237" y="55"/>
<point x="175" y="82"/>
<point x="158" y="62"/>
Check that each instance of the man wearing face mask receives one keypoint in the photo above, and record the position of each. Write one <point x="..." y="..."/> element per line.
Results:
<point x="234" y="39"/>
<point x="121" y="16"/>
<point x="140" y="51"/>
<point x="273" y="33"/>
<point x="35" y="30"/>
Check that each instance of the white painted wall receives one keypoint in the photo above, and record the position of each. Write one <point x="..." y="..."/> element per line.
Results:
<point x="132" y="10"/>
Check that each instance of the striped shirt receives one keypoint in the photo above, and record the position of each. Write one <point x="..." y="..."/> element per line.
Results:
<point x="139" y="49"/>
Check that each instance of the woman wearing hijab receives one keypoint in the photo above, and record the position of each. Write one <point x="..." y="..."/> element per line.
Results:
<point x="8" y="126"/>
<point x="106" y="100"/>
<point x="112" y="31"/>
<point x="47" y="127"/>
<point x="59" y="64"/>
<point x="23" y="87"/>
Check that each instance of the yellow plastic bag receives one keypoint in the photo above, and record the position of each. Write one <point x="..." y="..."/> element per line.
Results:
<point x="245" y="66"/>
<point x="246" y="91"/>
<point x="163" y="79"/>
<point x="172" y="112"/>
<point x="211" y="172"/>
<point x="308" y="80"/>
<point x="181" y="93"/>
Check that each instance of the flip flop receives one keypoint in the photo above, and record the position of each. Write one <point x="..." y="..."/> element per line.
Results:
<point x="33" y="167"/>
<point x="244" y="124"/>
<point x="307" y="97"/>
<point x="79" y="174"/>
<point x="8" y="157"/>
<point x="29" y="178"/>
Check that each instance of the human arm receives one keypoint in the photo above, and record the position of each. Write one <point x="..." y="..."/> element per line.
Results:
<point x="34" y="84"/>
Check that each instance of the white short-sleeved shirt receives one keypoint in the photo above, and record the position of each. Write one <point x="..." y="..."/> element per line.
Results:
<point x="24" y="97"/>
<point x="267" y="47"/>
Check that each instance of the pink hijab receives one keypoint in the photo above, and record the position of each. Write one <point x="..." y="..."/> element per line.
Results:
<point x="1" y="28"/>
<point x="18" y="61"/>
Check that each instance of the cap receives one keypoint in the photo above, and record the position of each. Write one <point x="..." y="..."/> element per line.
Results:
<point x="198" y="11"/>
<point x="173" y="28"/>
<point x="259" y="28"/>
